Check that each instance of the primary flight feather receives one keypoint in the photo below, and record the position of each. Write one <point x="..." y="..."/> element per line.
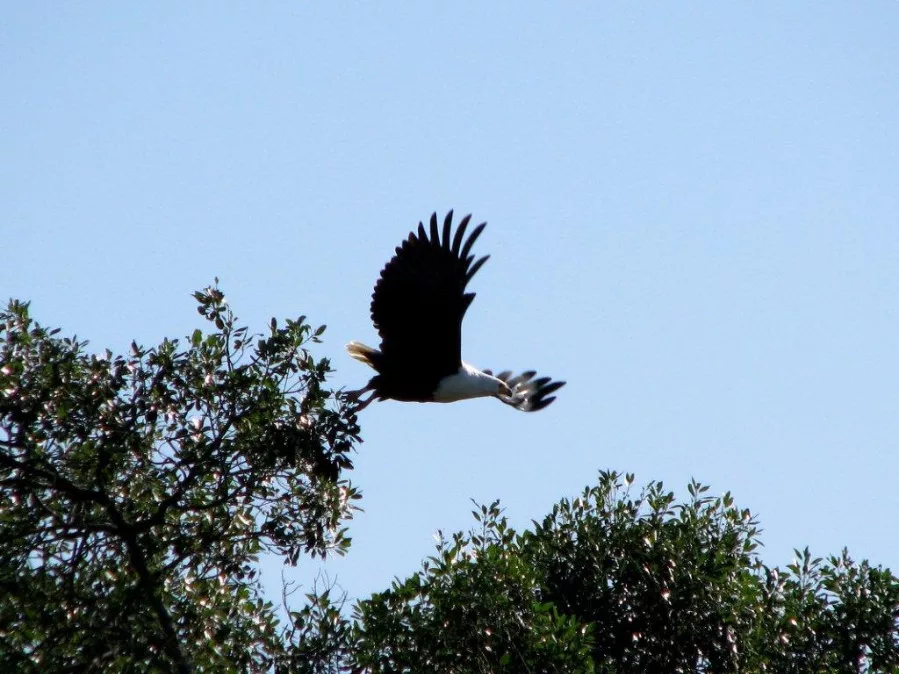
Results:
<point x="417" y="308"/>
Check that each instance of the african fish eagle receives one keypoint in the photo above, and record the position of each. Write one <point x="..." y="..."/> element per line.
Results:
<point x="417" y="308"/>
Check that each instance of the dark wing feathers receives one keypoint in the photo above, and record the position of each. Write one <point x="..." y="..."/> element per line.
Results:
<point x="474" y="268"/>
<point x="460" y="232"/>
<point x="435" y="234"/>
<point x="466" y="249"/>
<point x="528" y="394"/>
<point x="420" y="300"/>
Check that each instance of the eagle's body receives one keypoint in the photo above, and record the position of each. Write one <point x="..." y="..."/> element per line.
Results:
<point x="417" y="308"/>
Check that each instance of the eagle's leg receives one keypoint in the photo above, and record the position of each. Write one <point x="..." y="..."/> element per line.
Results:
<point x="355" y="397"/>
<point x="365" y="403"/>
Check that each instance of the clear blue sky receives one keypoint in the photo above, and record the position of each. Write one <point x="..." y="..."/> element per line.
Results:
<point x="693" y="218"/>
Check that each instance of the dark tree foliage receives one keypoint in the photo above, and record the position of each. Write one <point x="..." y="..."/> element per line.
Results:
<point x="139" y="491"/>
<point x="614" y="582"/>
<point x="475" y="607"/>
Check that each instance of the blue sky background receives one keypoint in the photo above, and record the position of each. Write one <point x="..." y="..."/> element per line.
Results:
<point x="693" y="218"/>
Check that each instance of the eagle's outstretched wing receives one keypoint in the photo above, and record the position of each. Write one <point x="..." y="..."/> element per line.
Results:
<point x="420" y="300"/>
<point x="528" y="394"/>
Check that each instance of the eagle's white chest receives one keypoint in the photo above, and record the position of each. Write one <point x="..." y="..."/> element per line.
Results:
<point x="469" y="382"/>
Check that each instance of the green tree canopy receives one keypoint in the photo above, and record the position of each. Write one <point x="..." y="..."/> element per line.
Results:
<point x="616" y="582"/>
<point x="140" y="489"/>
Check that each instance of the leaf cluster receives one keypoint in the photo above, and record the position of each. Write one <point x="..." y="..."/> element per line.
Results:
<point x="140" y="490"/>
<point x="618" y="582"/>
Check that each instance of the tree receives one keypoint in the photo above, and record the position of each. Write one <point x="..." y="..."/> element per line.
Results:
<point x="612" y="582"/>
<point x="140" y="489"/>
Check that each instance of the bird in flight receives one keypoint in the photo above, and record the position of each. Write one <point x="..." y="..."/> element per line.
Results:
<point x="417" y="308"/>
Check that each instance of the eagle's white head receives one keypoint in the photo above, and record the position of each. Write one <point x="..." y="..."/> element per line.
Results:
<point x="469" y="382"/>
